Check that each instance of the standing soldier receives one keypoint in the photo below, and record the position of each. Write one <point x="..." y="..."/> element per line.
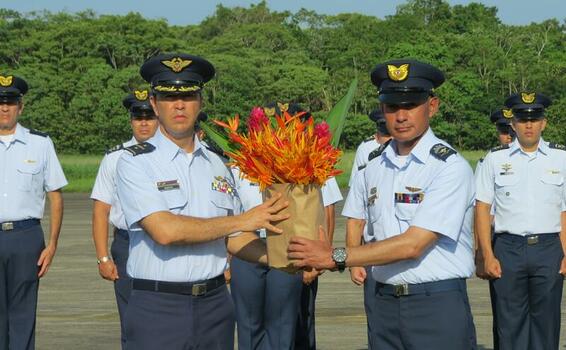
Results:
<point x="525" y="259"/>
<point x="181" y="209"/>
<point x="107" y="208"/>
<point x="29" y="169"/>
<point x="417" y="195"/>
<point x="502" y="120"/>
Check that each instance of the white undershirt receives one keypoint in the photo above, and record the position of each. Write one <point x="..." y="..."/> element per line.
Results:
<point x="6" y="138"/>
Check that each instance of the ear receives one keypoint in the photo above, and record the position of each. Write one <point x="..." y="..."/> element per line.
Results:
<point x="21" y="107"/>
<point x="153" y="102"/>
<point x="433" y="106"/>
<point x="543" y="125"/>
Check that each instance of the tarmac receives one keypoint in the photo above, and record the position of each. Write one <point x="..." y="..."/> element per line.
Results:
<point x="77" y="309"/>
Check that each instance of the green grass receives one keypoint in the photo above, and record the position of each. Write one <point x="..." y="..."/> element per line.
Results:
<point x="81" y="170"/>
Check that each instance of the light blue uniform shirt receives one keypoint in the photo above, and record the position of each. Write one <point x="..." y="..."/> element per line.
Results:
<point x="528" y="192"/>
<point x="28" y="168"/>
<point x="104" y="189"/>
<point x="361" y="157"/>
<point x="168" y="179"/>
<point x="436" y="195"/>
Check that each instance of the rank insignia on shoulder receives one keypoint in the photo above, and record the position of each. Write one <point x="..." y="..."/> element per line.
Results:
<point x="168" y="185"/>
<point x="441" y="151"/>
<point x="377" y="152"/>
<point x="141" y="148"/>
<point x="362" y="167"/>
<point x="557" y="146"/>
<point x="220" y="184"/>
<point x="499" y="148"/>
<point x="115" y="148"/>
<point x="38" y="133"/>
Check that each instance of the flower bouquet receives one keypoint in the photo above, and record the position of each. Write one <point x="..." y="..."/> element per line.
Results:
<point x="287" y="152"/>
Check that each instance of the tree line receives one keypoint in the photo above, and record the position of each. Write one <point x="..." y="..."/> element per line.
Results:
<point x="80" y="66"/>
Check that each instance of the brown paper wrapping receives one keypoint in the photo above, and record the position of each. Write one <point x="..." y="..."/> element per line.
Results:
<point x="307" y="214"/>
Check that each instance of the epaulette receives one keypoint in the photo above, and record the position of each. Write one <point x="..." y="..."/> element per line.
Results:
<point x="369" y="139"/>
<point x="115" y="148"/>
<point x="499" y="148"/>
<point x="140" y="148"/>
<point x="441" y="151"/>
<point x="377" y="152"/>
<point x="557" y="146"/>
<point x="362" y="167"/>
<point x="38" y="133"/>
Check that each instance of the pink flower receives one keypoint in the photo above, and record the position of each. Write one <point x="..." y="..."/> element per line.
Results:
<point x="322" y="130"/>
<point x="257" y="120"/>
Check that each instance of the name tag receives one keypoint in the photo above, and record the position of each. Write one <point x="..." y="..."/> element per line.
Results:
<point x="409" y="198"/>
<point x="168" y="185"/>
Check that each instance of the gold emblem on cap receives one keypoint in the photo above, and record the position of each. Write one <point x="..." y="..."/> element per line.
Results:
<point x="398" y="73"/>
<point x="283" y="107"/>
<point x="527" y="98"/>
<point x="177" y="64"/>
<point x="270" y="112"/>
<point x="141" y="95"/>
<point x="507" y="113"/>
<point x="6" y="81"/>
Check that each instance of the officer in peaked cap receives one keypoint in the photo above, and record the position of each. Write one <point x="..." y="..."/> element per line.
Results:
<point x="183" y="214"/>
<point x="502" y="120"/>
<point x="107" y="208"/>
<point x="524" y="259"/>
<point x="30" y="170"/>
<point x="416" y="194"/>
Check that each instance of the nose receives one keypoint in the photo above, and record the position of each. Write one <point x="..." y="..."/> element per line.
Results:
<point x="179" y="104"/>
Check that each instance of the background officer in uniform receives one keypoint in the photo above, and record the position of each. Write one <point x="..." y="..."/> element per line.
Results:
<point x="29" y="169"/>
<point x="180" y="205"/>
<point x="502" y="120"/>
<point x="525" y="260"/>
<point x="417" y="194"/>
<point x="106" y="207"/>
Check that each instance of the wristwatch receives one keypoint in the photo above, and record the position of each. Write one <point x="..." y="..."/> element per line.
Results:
<point x="102" y="259"/>
<point x="339" y="256"/>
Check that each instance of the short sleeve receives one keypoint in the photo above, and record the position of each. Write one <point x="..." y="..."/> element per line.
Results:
<point x="331" y="192"/>
<point x="485" y="179"/>
<point x="356" y="200"/>
<point x="54" y="178"/>
<point x="104" y="185"/>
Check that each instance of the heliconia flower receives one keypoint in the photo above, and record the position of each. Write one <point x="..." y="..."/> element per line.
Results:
<point x="257" y="120"/>
<point x="322" y="130"/>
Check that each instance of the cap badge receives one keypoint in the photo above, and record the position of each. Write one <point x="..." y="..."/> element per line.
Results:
<point x="270" y="112"/>
<point x="141" y="95"/>
<point x="527" y="98"/>
<point x="177" y="64"/>
<point x="398" y="73"/>
<point x="283" y="107"/>
<point x="507" y="113"/>
<point x="6" y="81"/>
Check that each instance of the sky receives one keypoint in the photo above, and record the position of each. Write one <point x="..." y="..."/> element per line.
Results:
<point x="183" y="12"/>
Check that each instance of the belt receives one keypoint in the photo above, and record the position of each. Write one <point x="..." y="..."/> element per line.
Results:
<point x="529" y="239"/>
<point x="15" y="225"/>
<point x="186" y="288"/>
<point x="399" y="290"/>
<point x="122" y="233"/>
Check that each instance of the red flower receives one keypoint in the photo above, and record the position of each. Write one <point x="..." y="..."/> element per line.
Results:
<point x="257" y="120"/>
<point x="322" y="130"/>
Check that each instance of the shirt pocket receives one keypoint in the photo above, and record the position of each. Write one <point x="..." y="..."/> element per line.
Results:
<point x="176" y="200"/>
<point x="29" y="176"/>
<point x="552" y="185"/>
<point x="507" y="189"/>
<point x="222" y="203"/>
<point x="406" y="211"/>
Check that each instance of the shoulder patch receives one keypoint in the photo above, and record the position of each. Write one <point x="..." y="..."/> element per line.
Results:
<point x="38" y="133"/>
<point x="377" y="152"/>
<point x="141" y="148"/>
<point x="557" y="146"/>
<point x="499" y="148"/>
<point x="362" y="167"/>
<point x="441" y="151"/>
<point x="115" y="148"/>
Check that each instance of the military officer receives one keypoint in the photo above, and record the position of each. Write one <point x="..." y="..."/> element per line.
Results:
<point x="183" y="214"/>
<point x="524" y="181"/>
<point x="417" y="195"/>
<point x="502" y="120"/>
<point x="29" y="169"/>
<point x="107" y="208"/>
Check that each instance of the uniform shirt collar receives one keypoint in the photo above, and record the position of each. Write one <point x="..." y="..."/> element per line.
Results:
<point x="516" y="146"/>
<point x="420" y="152"/>
<point x="171" y="150"/>
<point x="21" y="134"/>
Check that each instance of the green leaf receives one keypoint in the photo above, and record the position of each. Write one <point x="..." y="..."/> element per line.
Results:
<point x="220" y="139"/>
<point x="337" y="116"/>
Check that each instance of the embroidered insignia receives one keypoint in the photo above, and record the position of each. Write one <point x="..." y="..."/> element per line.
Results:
<point x="506" y="167"/>
<point x="373" y="195"/>
<point x="499" y="148"/>
<point x="409" y="198"/>
<point x="557" y="146"/>
<point x="177" y="64"/>
<point x="38" y="133"/>
<point x="168" y="185"/>
<point x="528" y="98"/>
<point x="177" y="88"/>
<point x="361" y="167"/>
<point x="115" y="148"/>
<point x="141" y="148"/>
<point x="413" y="189"/>
<point x="141" y="95"/>
<point x="441" y="151"/>
<point x="398" y="73"/>
<point x="507" y="113"/>
<point x="377" y="152"/>
<point x="270" y="112"/>
<point x="283" y="107"/>
<point x="6" y="81"/>
<point x="220" y="184"/>
<point x="369" y="138"/>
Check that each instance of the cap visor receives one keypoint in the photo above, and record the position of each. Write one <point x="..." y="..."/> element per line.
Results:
<point x="404" y="98"/>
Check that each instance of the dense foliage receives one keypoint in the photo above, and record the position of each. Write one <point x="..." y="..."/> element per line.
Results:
<point x="80" y="66"/>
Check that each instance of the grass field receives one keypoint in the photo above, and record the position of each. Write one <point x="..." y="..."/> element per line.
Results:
<point x="81" y="170"/>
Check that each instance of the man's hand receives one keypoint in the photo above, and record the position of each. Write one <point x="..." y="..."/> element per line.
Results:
<point x="309" y="275"/>
<point x="45" y="259"/>
<point x="492" y="267"/>
<point x="563" y="266"/>
<point x="309" y="253"/>
<point x="480" y="266"/>
<point x="108" y="270"/>
<point x="264" y="214"/>
<point x="358" y="275"/>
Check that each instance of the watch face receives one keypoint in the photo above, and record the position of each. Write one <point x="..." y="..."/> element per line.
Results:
<point x="339" y="255"/>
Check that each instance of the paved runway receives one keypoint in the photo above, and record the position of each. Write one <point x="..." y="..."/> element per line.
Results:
<point x="77" y="308"/>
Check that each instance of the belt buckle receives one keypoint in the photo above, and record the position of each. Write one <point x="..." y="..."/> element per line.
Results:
<point x="198" y="289"/>
<point x="7" y="226"/>
<point x="401" y="290"/>
<point x="532" y="240"/>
